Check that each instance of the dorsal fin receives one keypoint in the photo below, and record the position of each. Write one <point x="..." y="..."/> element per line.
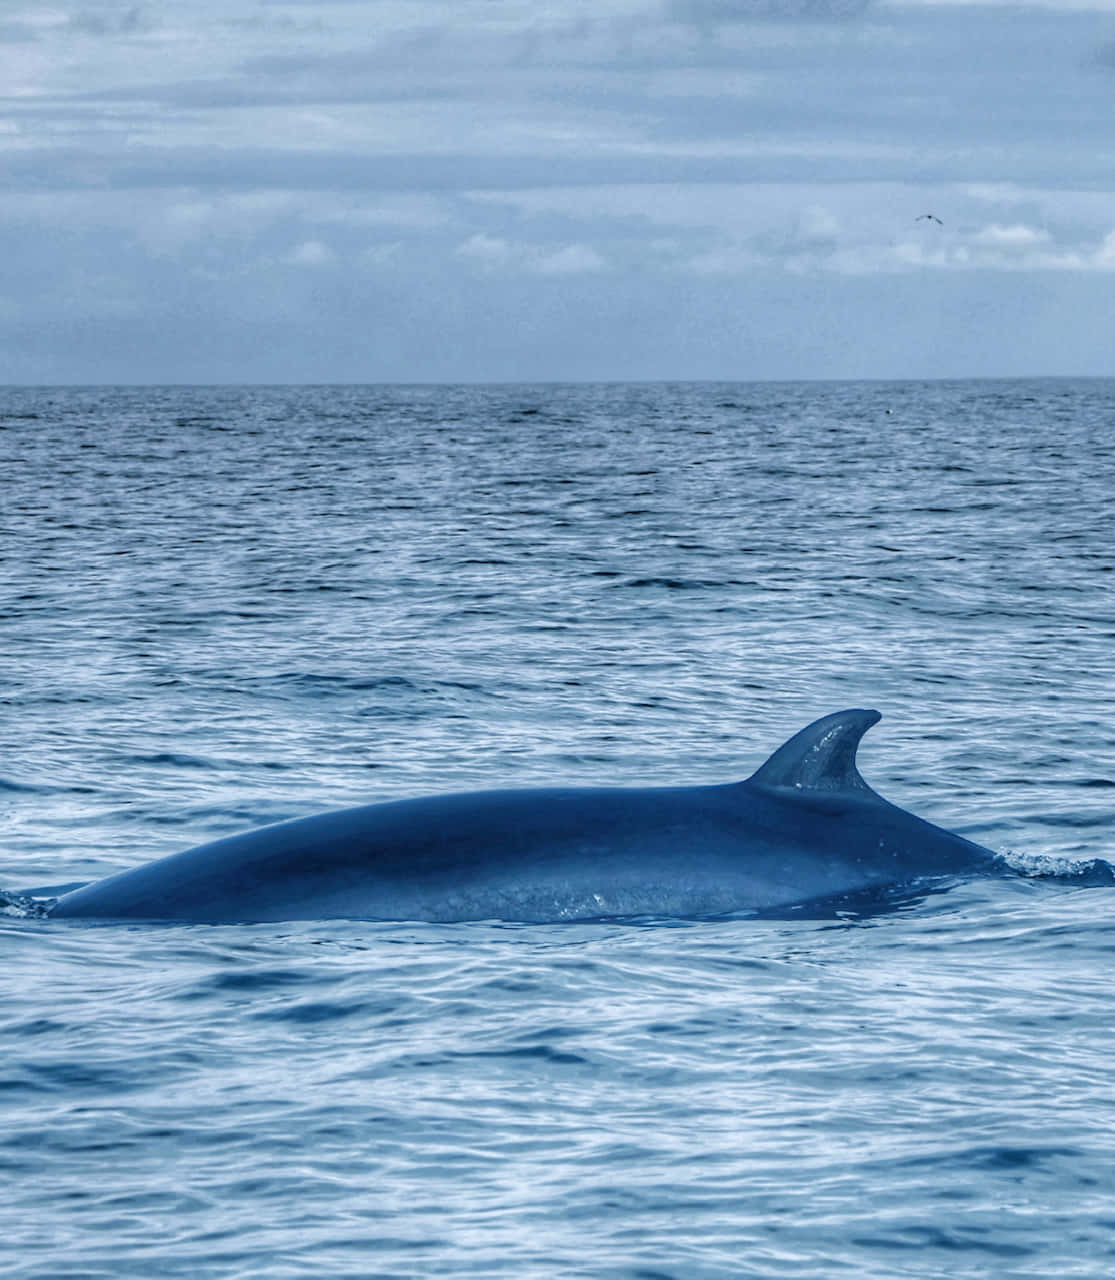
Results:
<point x="822" y="757"/>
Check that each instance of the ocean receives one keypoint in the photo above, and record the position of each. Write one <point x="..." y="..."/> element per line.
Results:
<point x="226" y="606"/>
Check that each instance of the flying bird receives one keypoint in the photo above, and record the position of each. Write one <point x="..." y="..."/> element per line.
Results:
<point x="932" y="218"/>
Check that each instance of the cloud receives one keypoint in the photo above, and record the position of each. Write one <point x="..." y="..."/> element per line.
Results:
<point x="310" y="253"/>
<point x="571" y="259"/>
<point x="381" y="255"/>
<point x="1015" y="236"/>
<point x="92" y="23"/>
<point x="997" y="248"/>
<point x="717" y="12"/>
<point x="818" y="229"/>
<point x="17" y="33"/>
<point x="526" y="96"/>
<point x="493" y="252"/>
<point x="487" y="250"/>
<point x="818" y="225"/>
<point x="226" y="157"/>
<point x="1105" y="255"/>
<point x="413" y="210"/>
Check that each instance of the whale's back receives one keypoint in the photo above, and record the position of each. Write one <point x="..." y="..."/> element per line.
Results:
<point x="804" y="826"/>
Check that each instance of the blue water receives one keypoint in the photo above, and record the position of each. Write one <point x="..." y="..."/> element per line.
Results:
<point x="221" y="607"/>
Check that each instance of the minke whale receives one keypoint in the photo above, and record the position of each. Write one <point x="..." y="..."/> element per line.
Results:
<point x="804" y="827"/>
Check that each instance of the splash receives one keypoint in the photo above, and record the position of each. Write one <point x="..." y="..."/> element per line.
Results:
<point x="20" y="907"/>
<point x="1085" y="872"/>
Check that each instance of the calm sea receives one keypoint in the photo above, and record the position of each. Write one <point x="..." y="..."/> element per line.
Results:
<point x="221" y="607"/>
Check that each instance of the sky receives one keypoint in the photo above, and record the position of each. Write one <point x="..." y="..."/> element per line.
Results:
<point x="521" y="190"/>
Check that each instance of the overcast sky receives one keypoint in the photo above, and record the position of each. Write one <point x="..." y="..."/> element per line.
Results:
<point x="441" y="190"/>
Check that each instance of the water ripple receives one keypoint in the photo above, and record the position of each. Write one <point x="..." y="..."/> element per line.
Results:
<point x="227" y="606"/>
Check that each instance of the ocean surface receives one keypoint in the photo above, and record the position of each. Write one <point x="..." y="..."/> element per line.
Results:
<point x="222" y="607"/>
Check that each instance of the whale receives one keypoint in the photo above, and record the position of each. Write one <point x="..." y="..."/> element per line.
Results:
<point x="804" y="827"/>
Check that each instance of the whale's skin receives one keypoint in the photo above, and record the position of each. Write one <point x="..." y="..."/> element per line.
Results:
<point x="805" y="826"/>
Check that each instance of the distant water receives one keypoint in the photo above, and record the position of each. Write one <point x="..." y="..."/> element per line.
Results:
<point x="221" y="607"/>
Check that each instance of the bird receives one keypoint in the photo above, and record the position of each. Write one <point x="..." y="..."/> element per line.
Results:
<point x="932" y="218"/>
